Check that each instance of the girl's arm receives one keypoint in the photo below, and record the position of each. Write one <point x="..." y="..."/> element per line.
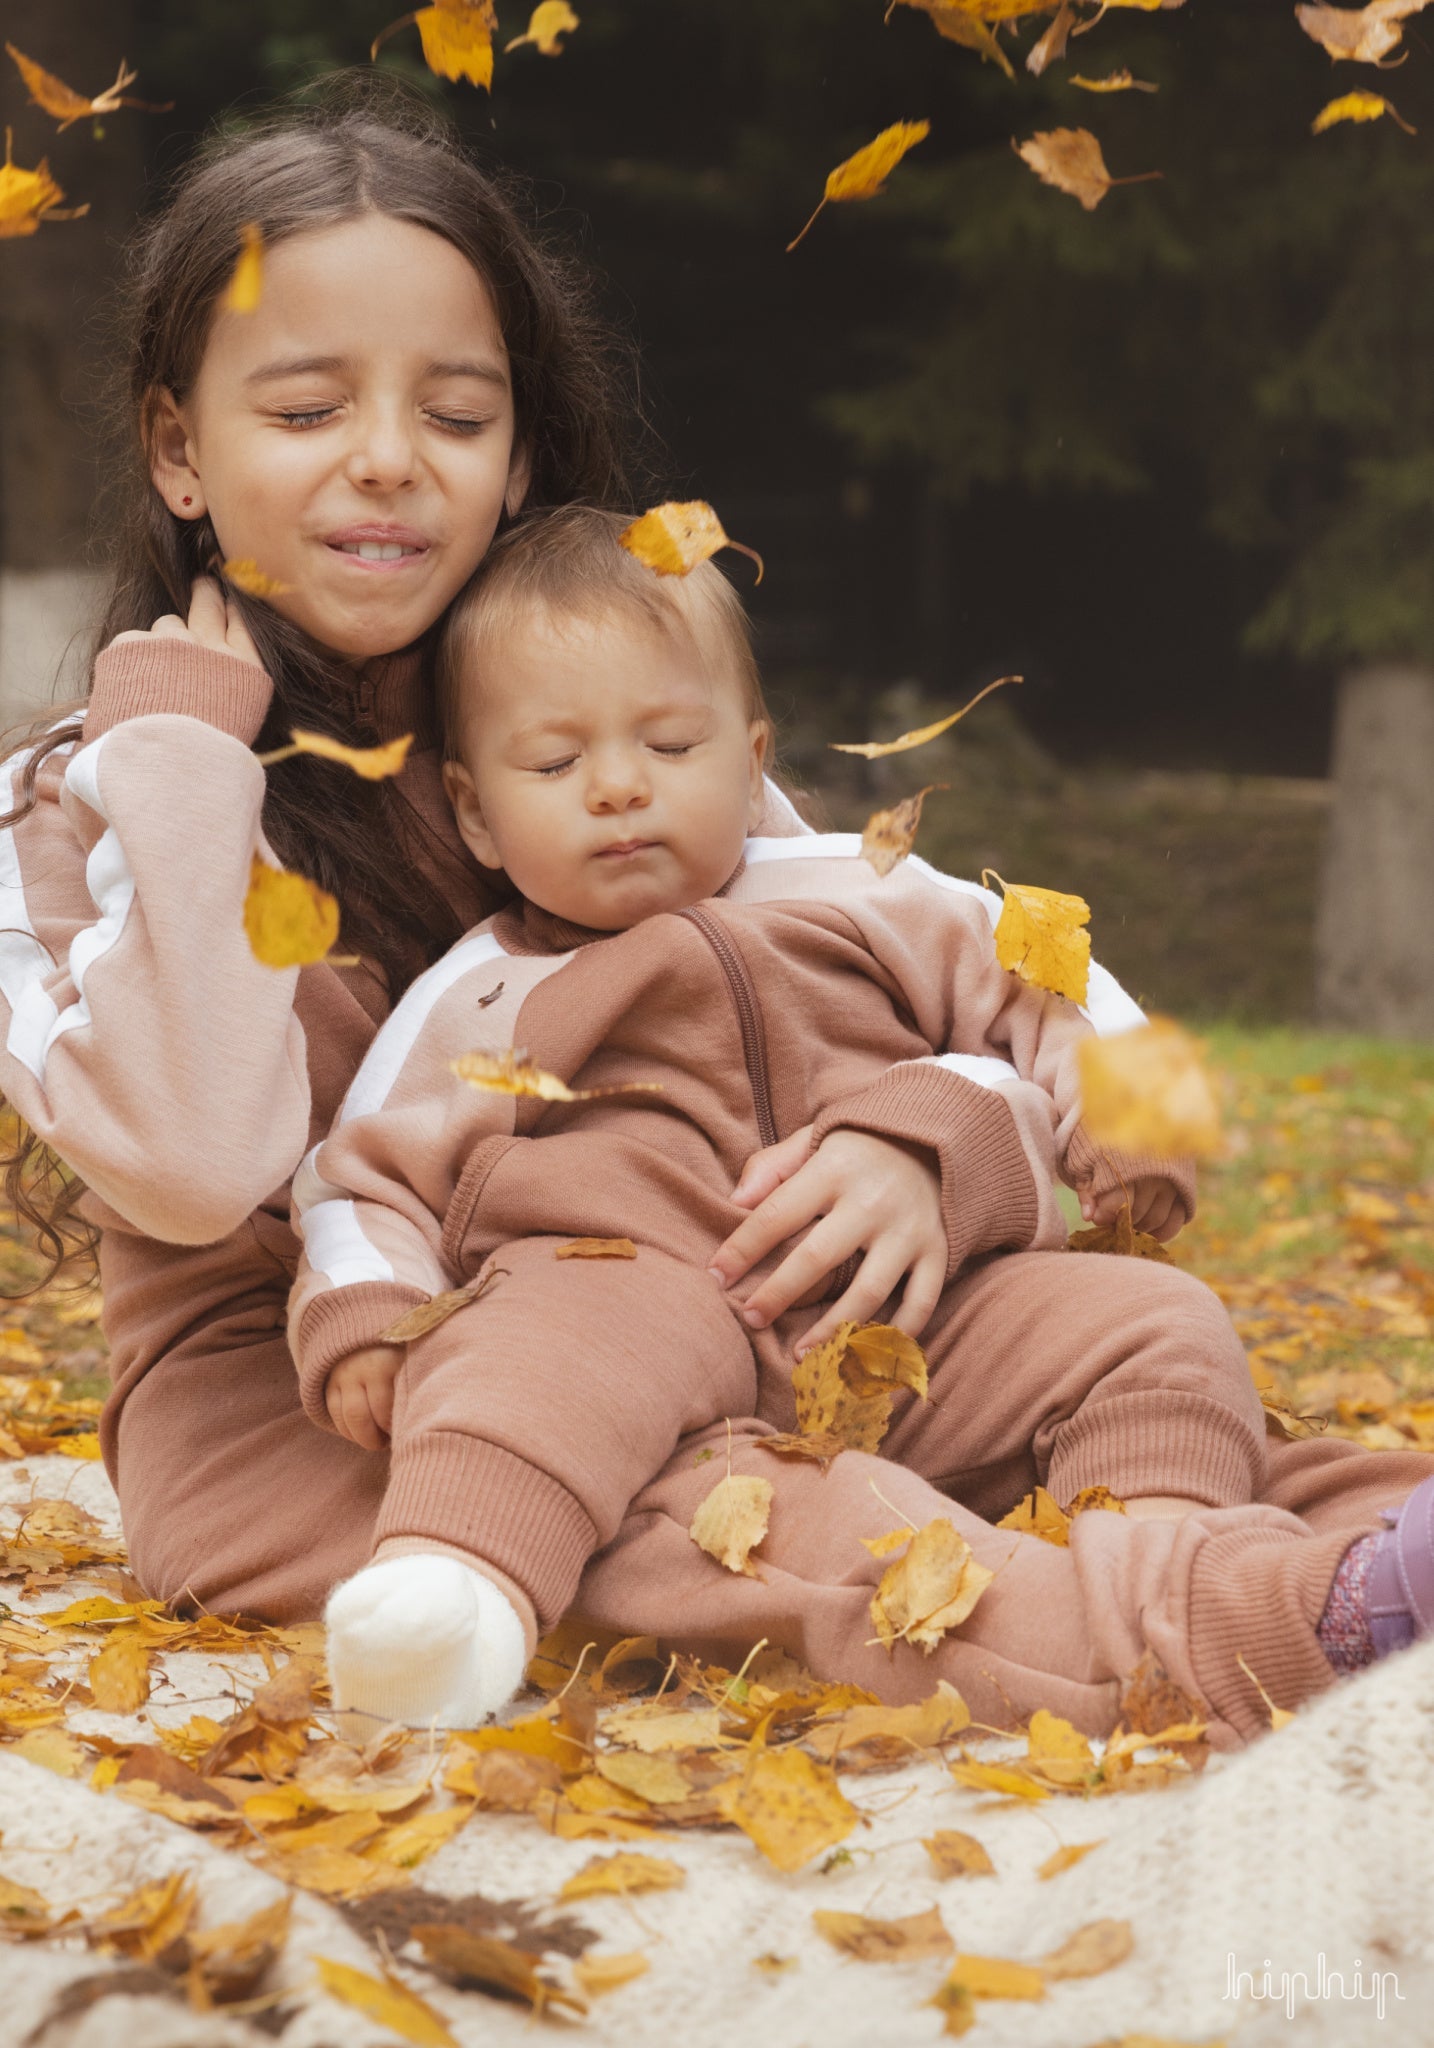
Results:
<point x="139" y="1036"/>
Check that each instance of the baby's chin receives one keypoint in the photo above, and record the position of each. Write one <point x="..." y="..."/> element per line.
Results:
<point x="619" y="910"/>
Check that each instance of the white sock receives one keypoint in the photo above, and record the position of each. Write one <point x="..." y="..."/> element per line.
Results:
<point x="424" y="1639"/>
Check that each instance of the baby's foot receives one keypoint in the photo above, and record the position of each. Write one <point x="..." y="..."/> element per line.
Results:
<point x="1382" y="1597"/>
<point x="424" y="1639"/>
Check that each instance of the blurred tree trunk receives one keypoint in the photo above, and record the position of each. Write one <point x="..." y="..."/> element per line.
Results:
<point x="54" y="283"/>
<point x="1375" y="932"/>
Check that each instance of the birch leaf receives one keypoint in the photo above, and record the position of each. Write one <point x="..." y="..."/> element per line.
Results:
<point x="1120" y="1240"/>
<point x="969" y="26"/>
<point x="1071" y="160"/>
<point x="1358" y="106"/>
<point x="625" y="1873"/>
<point x="290" y="921"/>
<point x="891" y="1734"/>
<point x="457" y="39"/>
<point x="911" y="1940"/>
<point x="28" y="197"/>
<point x="843" y="1394"/>
<point x="510" y="1072"/>
<point x="1039" y="1514"/>
<point x="374" y="764"/>
<point x="429" y="1314"/>
<point x="673" y="538"/>
<point x="791" y="1807"/>
<point x="1065" y="1858"/>
<point x="1114" y="81"/>
<point x="864" y="175"/>
<point x="386" y="2000"/>
<point x="68" y="106"/>
<point x="930" y="1590"/>
<point x="550" y="20"/>
<point x="1040" y="937"/>
<point x="1147" y="1090"/>
<point x="119" y="1675"/>
<point x="732" y="1520"/>
<point x="992" y="1977"/>
<point x="888" y="836"/>
<point x="242" y="295"/>
<point x="246" y="575"/>
<point x="1052" y="45"/>
<point x="1090" y="1951"/>
<point x="955" y="1854"/>
<point x="1360" y="35"/>
<point x="876" y="750"/>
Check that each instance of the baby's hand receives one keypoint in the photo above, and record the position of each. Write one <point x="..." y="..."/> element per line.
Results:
<point x="359" y="1395"/>
<point x="1155" y="1207"/>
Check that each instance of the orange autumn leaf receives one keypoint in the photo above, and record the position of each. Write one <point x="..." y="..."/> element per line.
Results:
<point x="290" y="921"/>
<point x="1071" y="160"/>
<point x="597" y="1248"/>
<point x="888" y="836"/>
<point x="550" y="19"/>
<point x="1360" y="35"/>
<point x="875" y="750"/>
<point x="864" y="175"/>
<point x="510" y="1072"/>
<point x="28" y="197"/>
<point x="374" y="764"/>
<point x="1114" y="81"/>
<point x="68" y="106"/>
<point x="673" y="538"/>
<point x="1358" y="106"/>
<point x="242" y="295"/>
<point x="732" y="1520"/>
<point x="246" y="575"/>
<point x="1039" y="1514"/>
<point x="791" y="1807"/>
<point x="417" y="1322"/>
<point x="457" y="39"/>
<point x="1039" y="936"/>
<point x="1120" y="1240"/>
<point x="1147" y="1090"/>
<point x="910" y="1940"/>
<point x="387" y="2000"/>
<point x="930" y="1590"/>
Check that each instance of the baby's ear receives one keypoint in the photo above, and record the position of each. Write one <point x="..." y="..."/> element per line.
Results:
<point x="759" y="740"/>
<point x="462" y="794"/>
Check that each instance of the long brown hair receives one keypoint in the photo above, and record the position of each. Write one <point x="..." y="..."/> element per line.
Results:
<point x="366" y="146"/>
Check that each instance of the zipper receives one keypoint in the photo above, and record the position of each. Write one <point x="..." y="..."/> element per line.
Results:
<point x="749" y="1016"/>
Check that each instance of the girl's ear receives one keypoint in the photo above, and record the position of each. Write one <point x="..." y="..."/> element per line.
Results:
<point x="462" y="794"/>
<point x="520" y="475"/>
<point x="171" y="458"/>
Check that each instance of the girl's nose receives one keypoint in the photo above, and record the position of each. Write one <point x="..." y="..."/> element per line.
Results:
<point x="381" y="456"/>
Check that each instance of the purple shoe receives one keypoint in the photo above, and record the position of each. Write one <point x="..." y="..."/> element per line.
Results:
<point x="1401" y="1578"/>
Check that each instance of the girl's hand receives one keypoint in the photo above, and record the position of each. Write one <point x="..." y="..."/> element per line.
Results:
<point x="359" y="1395"/>
<point x="859" y="1193"/>
<point x="213" y="622"/>
<point x="1155" y="1208"/>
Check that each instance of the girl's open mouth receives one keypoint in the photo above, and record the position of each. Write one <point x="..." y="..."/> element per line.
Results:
<point x="379" y="547"/>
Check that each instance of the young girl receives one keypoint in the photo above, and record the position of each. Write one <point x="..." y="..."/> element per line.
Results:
<point x="417" y="370"/>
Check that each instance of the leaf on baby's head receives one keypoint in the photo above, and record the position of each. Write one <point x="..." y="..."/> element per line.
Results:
<point x="673" y="538"/>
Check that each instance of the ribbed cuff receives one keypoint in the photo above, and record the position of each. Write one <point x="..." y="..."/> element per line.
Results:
<point x="1158" y="1441"/>
<point x="471" y="1183"/>
<point x="1259" y="1594"/>
<point x="1100" y="1169"/>
<point x="462" y="1491"/>
<point x="140" y="678"/>
<point x="989" y="1200"/>
<point x="344" y="1320"/>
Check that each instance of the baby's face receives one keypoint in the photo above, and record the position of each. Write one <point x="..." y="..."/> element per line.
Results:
<point x="606" y="770"/>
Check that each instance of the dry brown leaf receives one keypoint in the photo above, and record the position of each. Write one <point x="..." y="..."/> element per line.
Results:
<point x="1090" y="1951"/>
<point x="1071" y="160"/>
<point x="1038" y="1514"/>
<point x="417" y="1322"/>
<point x="548" y="23"/>
<point x="67" y="106"/>
<point x="1064" y="1858"/>
<point x="1040" y="937"/>
<point x="374" y="764"/>
<point x="791" y="1807"/>
<point x="1052" y="45"/>
<point x="597" y="1248"/>
<point x="599" y="1974"/>
<point x="875" y="750"/>
<point x="1150" y="1700"/>
<point x="957" y="1855"/>
<point x="119" y="1675"/>
<point x="230" y="1962"/>
<point x="385" y="1999"/>
<point x="1120" y="1240"/>
<point x="887" y="837"/>
<point x="150" y="1920"/>
<point x="510" y="1072"/>
<point x="457" y="39"/>
<point x="505" y="1780"/>
<point x="469" y="1960"/>
<point x="673" y="538"/>
<point x="864" y="175"/>
<point x="242" y="295"/>
<point x="930" y="1590"/>
<point x="28" y="197"/>
<point x="289" y="920"/>
<point x="1358" y="106"/>
<point x="1148" y="1090"/>
<point x="992" y="1977"/>
<point x="821" y="1446"/>
<point x="732" y="1520"/>
<point x="1361" y="35"/>
<point x="627" y="1872"/>
<point x="910" y="1940"/>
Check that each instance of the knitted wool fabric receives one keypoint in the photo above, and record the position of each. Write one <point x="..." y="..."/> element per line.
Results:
<point x="1344" y="1626"/>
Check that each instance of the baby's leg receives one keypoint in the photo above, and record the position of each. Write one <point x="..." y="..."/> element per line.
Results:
<point x="1073" y="1372"/>
<point x="522" y="1428"/>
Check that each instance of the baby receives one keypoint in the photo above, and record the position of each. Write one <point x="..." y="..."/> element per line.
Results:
<point x="703" y="992"/>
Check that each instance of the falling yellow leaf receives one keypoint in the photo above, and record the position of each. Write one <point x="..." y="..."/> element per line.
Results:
<point x="1358" y="106"/>
<point x="627" y="1872"/>
<point x="599" y="1974"/>
<point x="957" y="1855"/>
<point x="242" y="295"/>
<point x="888" y="836"/>
<point x="1065" y="1857"/>
<point x="550" y="20"/>
<point x="510" y="1072"/>
<point x="1147" y="1090"/>
<point x="386" y="2000"/>
<point x="1114" y="81"/>
<point x="910" y="1940"/>
<point x="28" y="197"/>
<point x="1039" y="1515"/>
<point x="68" y="106"/>
<point x="457" y="39"/>
<point x="374" y="764"/>
<point x="967" y="26"/>
<point x="597" y="1248"/>
<point x="1362" y="35"/>
<point x="1039" y="936"/>
<point x="119" y="1675"/>
<point x="1090" y="1951"/>
<point x="1051" y="47"/>
<point x="864" y="175"/>
<point x="290" y="921"/>
<point x="1071" y="160"/>
<point x="732" y="1520"/>
<point x="930" y="1590"/>
<point x="673" y="538"/>
<point x="992" y="1977"/>
<point x="875" y="750"/>
<point x="791" y="1807"/>
<point x="246" y="575"/>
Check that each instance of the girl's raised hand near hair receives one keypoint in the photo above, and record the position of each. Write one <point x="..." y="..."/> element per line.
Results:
<point x="359" y="1395"/>
<point x="858" y="1193"/>
<point x="213" y="622"/>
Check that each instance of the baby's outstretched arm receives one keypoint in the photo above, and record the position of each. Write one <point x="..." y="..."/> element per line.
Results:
<point x="359" y="1394"/>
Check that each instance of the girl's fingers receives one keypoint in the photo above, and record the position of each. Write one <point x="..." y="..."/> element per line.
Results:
<point x="923" y="1291"/>
<point x="236" y="636"/>
<point x="170" y="627"/>
<point x="826" y="1246"/>
<point x="208" y="614"/>
<point x="793" y="1204"/>
<point x="876" y="1281"/>
<point x="765" y="1171"/>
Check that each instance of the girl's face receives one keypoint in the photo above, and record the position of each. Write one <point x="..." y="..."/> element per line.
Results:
<point x="354" y="436"/>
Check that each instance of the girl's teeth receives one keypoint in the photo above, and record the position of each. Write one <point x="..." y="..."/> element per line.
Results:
<point x="377" y="551"/>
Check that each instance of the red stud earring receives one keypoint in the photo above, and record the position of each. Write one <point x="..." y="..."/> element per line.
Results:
<point x="189" y="501"/>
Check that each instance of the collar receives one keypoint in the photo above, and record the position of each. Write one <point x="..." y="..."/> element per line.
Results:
<point x="525" y="927"/>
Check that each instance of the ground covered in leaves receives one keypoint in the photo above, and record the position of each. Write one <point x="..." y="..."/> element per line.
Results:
<point x="651" y="1843"/>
